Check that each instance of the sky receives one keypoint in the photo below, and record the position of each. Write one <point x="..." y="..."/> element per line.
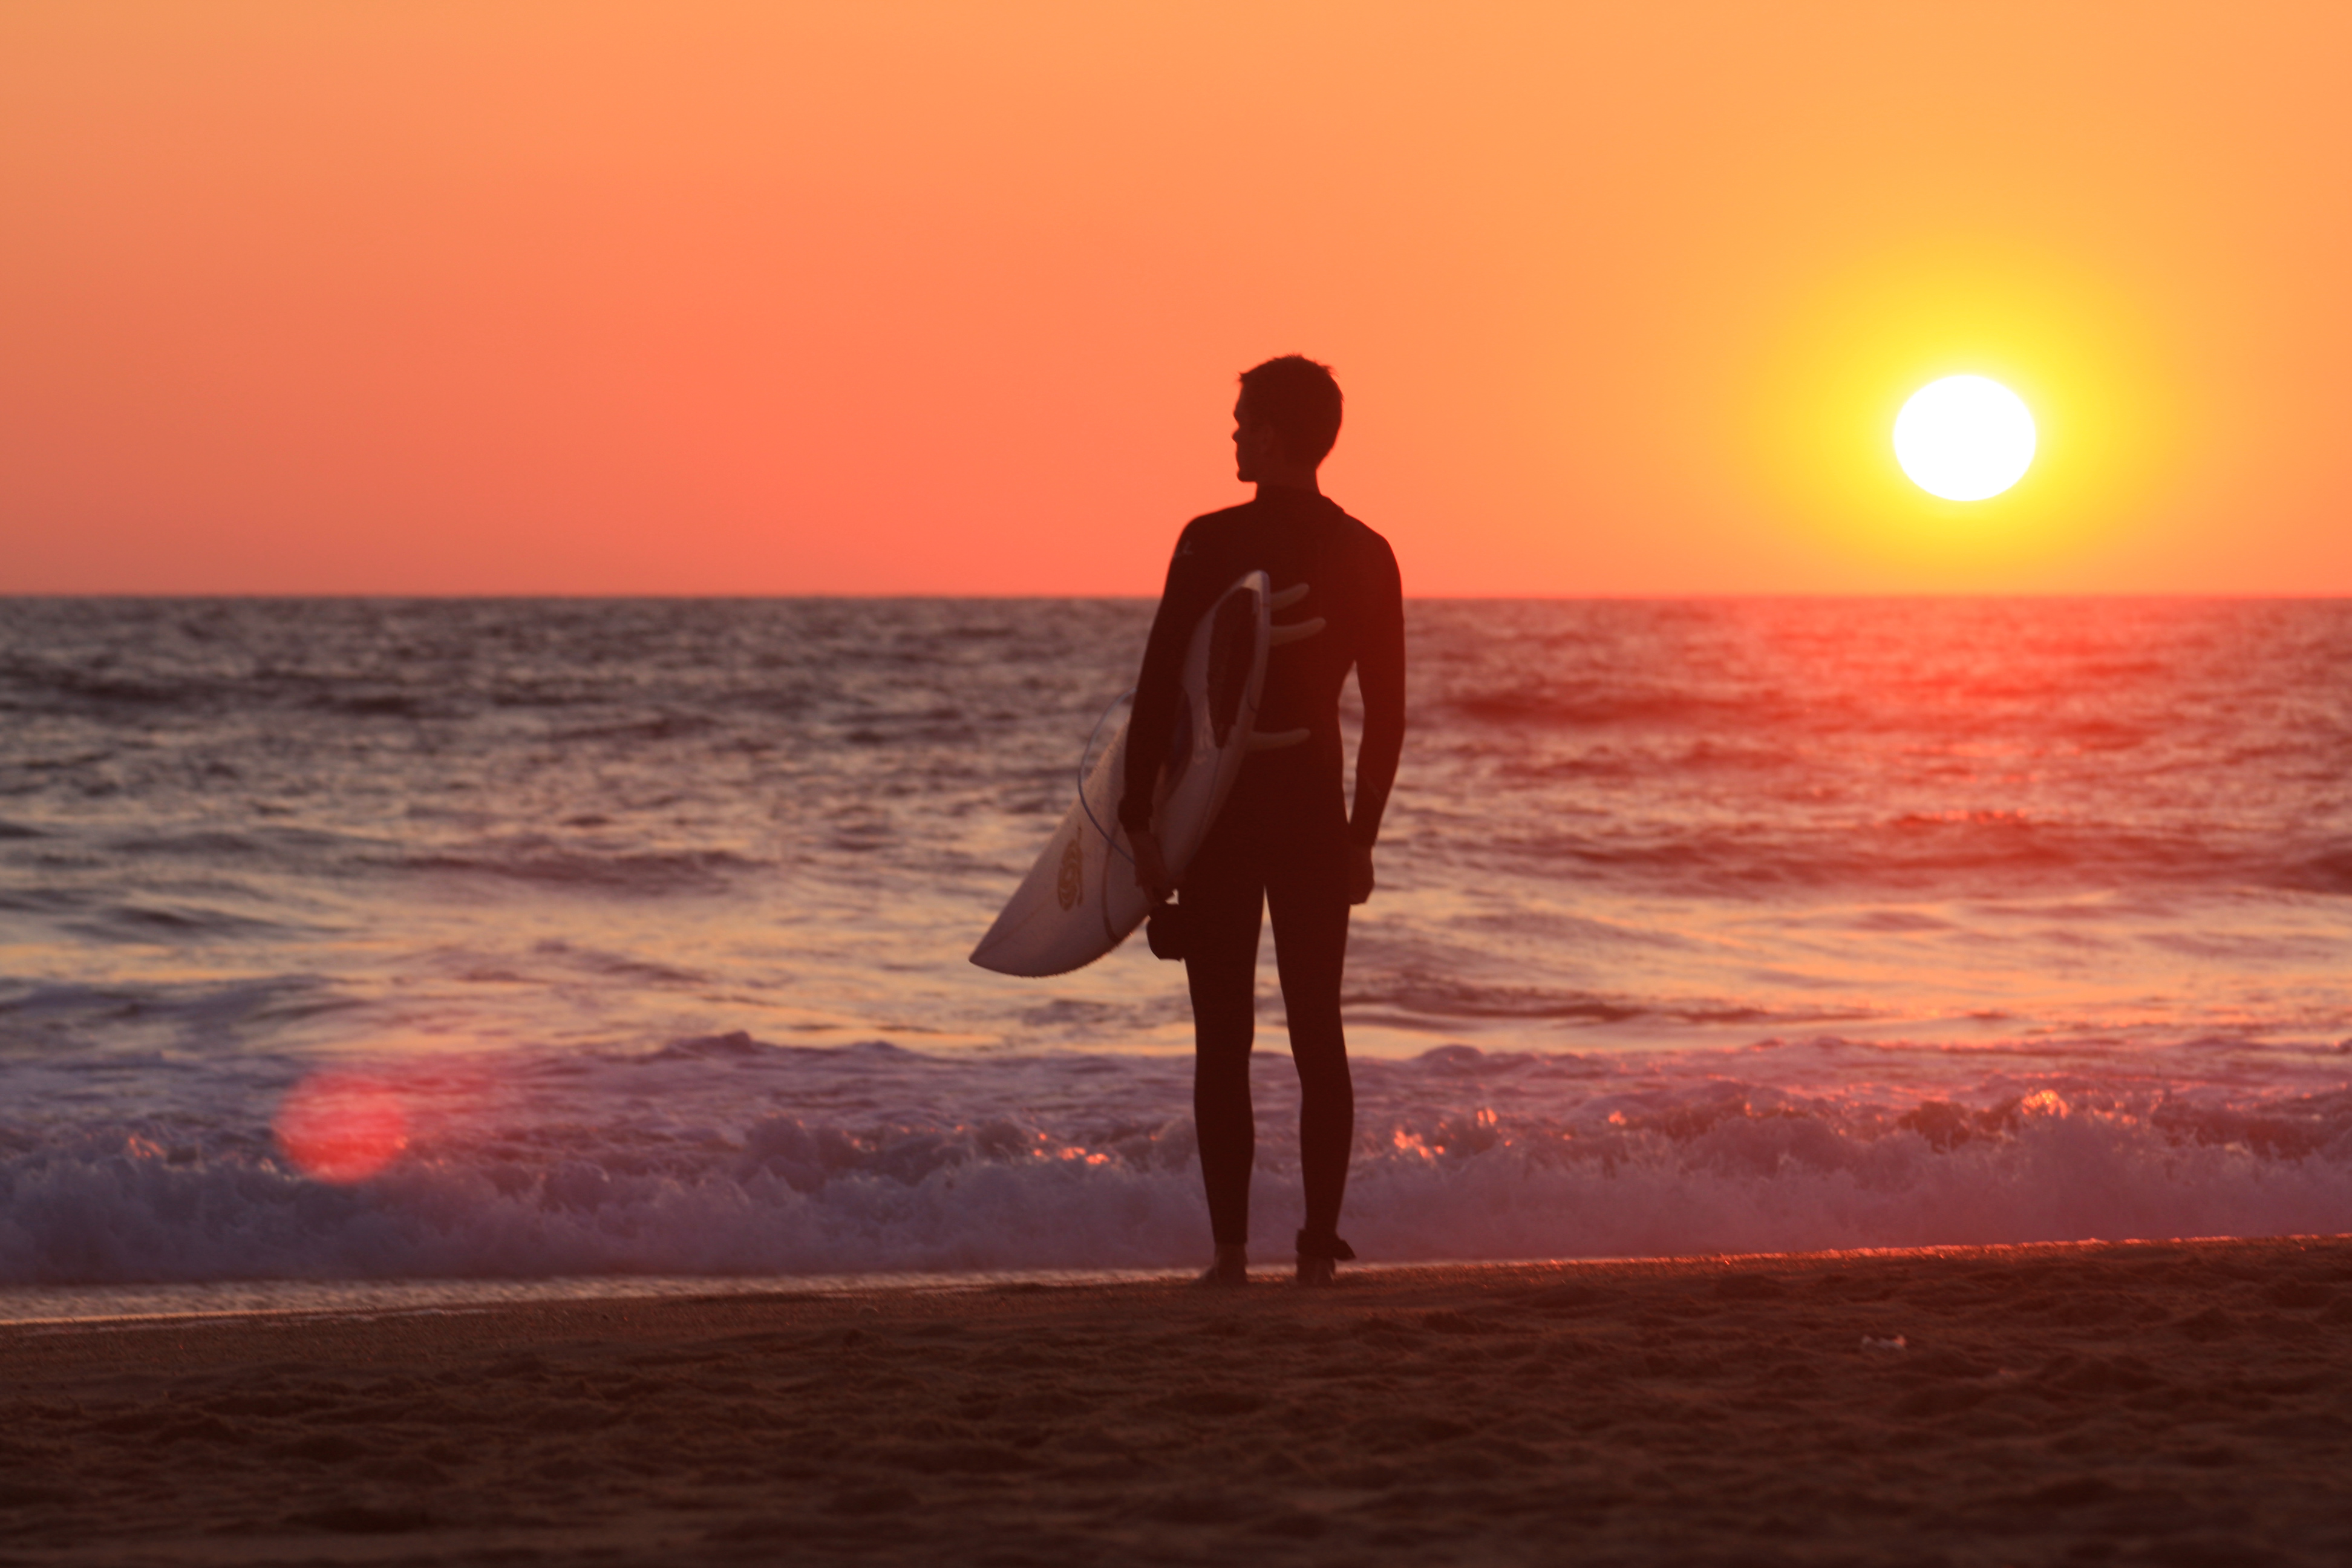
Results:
<point x="573" y="296"/>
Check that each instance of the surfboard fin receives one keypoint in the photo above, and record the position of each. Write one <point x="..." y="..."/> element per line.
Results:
<point x="1296" y="631"/>
<point x="1287" y="597"/>
<point x="1277" y="740"/>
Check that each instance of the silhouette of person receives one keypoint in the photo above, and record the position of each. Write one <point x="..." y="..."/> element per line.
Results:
<point x="1285" y="839"/>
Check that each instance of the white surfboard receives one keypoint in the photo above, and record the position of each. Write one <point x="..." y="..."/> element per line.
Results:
<point x="1080" y="899"/>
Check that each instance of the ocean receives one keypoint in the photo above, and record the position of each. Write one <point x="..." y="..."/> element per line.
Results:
<point x="540" y="944"/>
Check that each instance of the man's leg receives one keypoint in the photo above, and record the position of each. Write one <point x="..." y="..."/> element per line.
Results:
<point x="1224" y="904"/>
<point x="1308" y="896"/>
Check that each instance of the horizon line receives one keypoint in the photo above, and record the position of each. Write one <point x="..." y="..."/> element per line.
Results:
<point x="192" y="596"/>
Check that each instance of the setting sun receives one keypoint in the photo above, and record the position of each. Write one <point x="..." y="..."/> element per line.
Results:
<point x="1964" y="437"/>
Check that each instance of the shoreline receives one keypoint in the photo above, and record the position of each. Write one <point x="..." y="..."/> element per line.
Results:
<point x="2177" y="1402"/>
<point x="67" y="1305"/>
<point x="379" y="1299"/>
<point x="258" y="1299"/>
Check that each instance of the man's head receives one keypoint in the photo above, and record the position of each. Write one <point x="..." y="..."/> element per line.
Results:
<point x="1285" y="420"/>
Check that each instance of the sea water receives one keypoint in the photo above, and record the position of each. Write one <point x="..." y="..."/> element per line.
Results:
<point x="635" y="932"/>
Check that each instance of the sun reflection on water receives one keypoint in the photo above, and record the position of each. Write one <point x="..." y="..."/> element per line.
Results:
<point x="342" y="1126"/>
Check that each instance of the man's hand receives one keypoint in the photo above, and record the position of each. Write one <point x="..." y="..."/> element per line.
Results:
<point x="1360" y="872"/>
<point x="1150" y="867"/>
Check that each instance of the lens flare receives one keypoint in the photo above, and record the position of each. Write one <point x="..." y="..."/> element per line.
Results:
<point x="1964" y="437"/>
<point x="342" y="1126"/>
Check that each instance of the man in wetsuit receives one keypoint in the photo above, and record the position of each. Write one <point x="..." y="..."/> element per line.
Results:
<point x="1285" y="839"/>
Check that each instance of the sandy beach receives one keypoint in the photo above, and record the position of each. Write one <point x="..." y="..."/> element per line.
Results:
<point x="2173" y="1403"/>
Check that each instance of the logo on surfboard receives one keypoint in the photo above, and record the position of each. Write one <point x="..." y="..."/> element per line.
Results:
<point x="1070" y="885"/>
<point x="1233" y="651"/>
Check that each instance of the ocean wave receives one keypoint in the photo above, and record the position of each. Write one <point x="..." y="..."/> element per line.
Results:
<point x="651" y="728"/>
<point x="1419" y="1000"/>
<point x="1603" y="706"/>
<point x="154" y="922"/>
<point x="1609" y="1161"/>
<point x="207" y="844"/>
<point x="64" y="1017"/>
<point x="70" y="687"/>
<point x="384" y="705"/>
<point x="638" y="872"/>
<point x="1962" y="849"/>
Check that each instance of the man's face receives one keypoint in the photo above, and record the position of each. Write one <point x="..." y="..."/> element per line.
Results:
<point x="1251" y="441"/>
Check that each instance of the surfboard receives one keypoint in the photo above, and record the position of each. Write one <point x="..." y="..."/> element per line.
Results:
<point x="1080" y="899"/>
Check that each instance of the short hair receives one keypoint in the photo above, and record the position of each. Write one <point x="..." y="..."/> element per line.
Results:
<point x="1301" y="399"/>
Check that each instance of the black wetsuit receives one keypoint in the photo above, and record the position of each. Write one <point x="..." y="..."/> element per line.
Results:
<point x="1282" y="839"/>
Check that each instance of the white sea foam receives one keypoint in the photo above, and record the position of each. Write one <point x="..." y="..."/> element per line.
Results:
<point x="671" y="1167"/>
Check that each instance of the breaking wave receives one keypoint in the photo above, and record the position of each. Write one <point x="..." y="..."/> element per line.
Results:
<point x="1462" y="1155"/>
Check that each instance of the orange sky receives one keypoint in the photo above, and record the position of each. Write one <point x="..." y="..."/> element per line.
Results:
<point x="569" y="296"/>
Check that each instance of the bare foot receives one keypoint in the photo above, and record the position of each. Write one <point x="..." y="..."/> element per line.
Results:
<point x="1231" y="1268"/>
<point x="1319" y="1254"/>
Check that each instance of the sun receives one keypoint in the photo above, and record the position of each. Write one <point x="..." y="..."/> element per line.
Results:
<point x="1964" y="437"/>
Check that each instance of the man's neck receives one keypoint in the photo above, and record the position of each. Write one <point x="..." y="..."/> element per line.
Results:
<point x="1299" y="481"/>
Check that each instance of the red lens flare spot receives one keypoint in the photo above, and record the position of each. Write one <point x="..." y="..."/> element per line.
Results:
<point x="341" y="1126"/>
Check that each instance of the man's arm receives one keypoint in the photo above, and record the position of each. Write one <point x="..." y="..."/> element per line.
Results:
<point x="1379" y="677"/>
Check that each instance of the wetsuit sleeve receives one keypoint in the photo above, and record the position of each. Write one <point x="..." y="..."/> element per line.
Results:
<point x="1153" y="717"/>
<point x="1379" y="677"/>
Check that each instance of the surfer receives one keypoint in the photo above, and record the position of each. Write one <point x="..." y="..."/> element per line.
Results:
<point x="1285" y="839"/>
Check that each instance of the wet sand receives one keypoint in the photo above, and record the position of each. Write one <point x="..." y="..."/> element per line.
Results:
<point x="2168" y="1403"/>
